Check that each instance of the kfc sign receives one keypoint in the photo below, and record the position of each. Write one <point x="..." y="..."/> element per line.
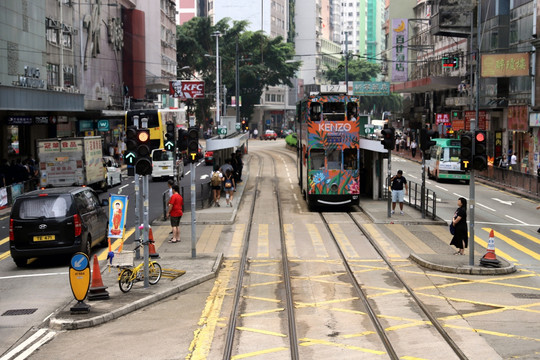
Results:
<point x="187" y="89"/>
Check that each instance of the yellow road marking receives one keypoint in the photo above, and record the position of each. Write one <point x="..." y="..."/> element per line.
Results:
<point x="525" y="235"/>
<point x="203" y="336"/>
<point x="262" y="242"/>
<point x="414" y="243"/>
<point x="311" y="342"/>
<point x="263" y="284"/>
<point x="484" y="244"/>
<point x="236" y="243"/>
<point x="316" y="239"/>
<point x="4" y="240"/>
<point x="323" y="303"/>
<point x="344" y="242"/>
<point x="494" y="333"/>
<point x="103" y="255"/>
<point x="365" y="333"/>
<point x="257" y="313"/>
<point x="5" y="255"/>
<point x="258" y="331"/>
<point x="257" y="353"/>
<point x="381" y="240"/>
<point x="514" y="244"/>
<point x="289" y="241"/>
<point x="262" y="273"/>
<point x="262" y="299"/>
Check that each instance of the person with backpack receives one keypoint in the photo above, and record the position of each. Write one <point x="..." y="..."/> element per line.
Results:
<point x="215" y="182"/>
<point x="228" y="186"/>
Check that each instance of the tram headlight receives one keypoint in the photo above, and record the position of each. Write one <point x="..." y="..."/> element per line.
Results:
<point x="334" y="188"/>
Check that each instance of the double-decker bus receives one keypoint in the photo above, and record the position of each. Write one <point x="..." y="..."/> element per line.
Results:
<point x="444" y="162"/>
<point x="329" y="149"/>
<point x="157" y="119"/>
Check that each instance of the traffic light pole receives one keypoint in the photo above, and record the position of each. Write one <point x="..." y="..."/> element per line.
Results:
<point x="137" y="213"/>
<point x="145" y="230"/>
<point x="423" y="187"/>
<point x="388" y="177"/>
<point x="193" y="213"/>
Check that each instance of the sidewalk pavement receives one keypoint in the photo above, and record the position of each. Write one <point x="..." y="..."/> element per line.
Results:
<point x="177" y="257"/>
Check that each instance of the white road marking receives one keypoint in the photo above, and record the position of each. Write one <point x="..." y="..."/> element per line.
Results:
<point x="440" y="187"/>
<point x="204" y="176"/>
<point x="513" y="218"/>
<point x="504" y="202"/>
<point x="31" y="275"/>
<point x="486" y="207"/>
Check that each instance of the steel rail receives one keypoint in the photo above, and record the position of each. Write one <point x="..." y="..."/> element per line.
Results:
<point x="423" y="307"/>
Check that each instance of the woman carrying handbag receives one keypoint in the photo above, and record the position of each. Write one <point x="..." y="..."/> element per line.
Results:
<point x="461" y="233"/>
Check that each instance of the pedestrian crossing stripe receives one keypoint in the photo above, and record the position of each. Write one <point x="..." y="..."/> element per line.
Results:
<point x="344" y="243"/>
<point x="236" y="243"/>
<point x="413" y="242"/>
<point x="290" y="241"/>
<point x="263" y="248"/>
<point x="525" y="235"/>
<point x="514" y="244"/>
<point x="320" y="250"/>
<point x="378" y="237"/>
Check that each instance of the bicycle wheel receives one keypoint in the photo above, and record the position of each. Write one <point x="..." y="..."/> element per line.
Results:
<point x="125" y="280"/>
<point x="154" y="273"/>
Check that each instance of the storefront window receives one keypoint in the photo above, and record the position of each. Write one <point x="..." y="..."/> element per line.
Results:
<point x="13" y="139"/>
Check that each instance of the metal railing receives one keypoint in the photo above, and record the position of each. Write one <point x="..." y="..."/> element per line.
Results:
<point x="512" y="179"/>
<point x="204" y="196"/>
<point x="414" y="198"/>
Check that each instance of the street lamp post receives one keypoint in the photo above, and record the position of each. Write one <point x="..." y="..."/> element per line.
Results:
<point x="217" y="34"/>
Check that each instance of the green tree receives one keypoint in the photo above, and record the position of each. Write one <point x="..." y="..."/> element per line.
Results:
<point x="362" y="70"/>
<point x="263" y="61"/>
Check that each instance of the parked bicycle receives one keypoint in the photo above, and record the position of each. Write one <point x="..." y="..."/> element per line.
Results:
<point x="128" y="274"/>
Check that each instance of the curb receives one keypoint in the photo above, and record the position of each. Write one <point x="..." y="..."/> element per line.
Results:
<point x="463" y="269"/>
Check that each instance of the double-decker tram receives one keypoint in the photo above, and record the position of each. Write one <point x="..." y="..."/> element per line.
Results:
<point x="328" y="159"/>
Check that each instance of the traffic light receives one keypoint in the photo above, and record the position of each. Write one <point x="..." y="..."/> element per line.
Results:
<point x="480" y="154"/>
<point x="432" y="134"/>
<point x="169" y="136"/>
<point x="193" y="143"/>
<point x="426" y="139"/>
<point x="244" y="125"/>
<point x="143" y="166"/>
<point x="388" y="140"/>
<point x="131" y="145"/>
<point x="182" y="140"/>
<point x="466" y="150"/>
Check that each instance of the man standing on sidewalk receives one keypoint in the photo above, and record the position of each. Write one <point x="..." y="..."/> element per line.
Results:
<point x="396" y="187"/>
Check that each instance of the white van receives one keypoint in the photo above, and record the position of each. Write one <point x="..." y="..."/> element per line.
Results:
<point x="163" y="164"/>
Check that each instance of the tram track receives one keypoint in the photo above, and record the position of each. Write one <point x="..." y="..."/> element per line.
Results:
<point x="370" y="309"/>
<point x="319" y="294"/>
<point x="237" y="299"/>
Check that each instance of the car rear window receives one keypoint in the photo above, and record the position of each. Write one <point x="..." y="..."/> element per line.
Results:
<point x="162" y="156"/>
<point x="44" y="206"/>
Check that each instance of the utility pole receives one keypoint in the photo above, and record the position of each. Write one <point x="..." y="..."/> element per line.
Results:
<point x="237" y="85"/>
<point x="346" y="62"/>
<point x="217" y="34"/>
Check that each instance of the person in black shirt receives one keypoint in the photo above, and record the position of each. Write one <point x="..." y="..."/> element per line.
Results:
<point x="397" y="183"/>
<point x="461" y="235"/>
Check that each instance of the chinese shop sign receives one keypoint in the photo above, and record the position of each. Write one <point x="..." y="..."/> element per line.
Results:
<point x="505" y="65"/>
<point x="399" y="50"/>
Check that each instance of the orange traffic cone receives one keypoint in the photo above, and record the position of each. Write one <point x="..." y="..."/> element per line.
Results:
<point x="490" y="259"/>
<point x="97" y="289"/>
<point x="151" y="248"/>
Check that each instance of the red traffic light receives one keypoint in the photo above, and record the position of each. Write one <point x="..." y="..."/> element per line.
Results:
<point x="480" y="136"/>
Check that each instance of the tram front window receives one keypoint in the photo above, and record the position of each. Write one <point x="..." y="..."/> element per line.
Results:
<point x="317" y="159"/>
<point x="334" y="160"/>
<point x="349" y="159"/>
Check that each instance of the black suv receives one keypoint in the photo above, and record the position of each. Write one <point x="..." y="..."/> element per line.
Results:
<point x="56" y="221"/>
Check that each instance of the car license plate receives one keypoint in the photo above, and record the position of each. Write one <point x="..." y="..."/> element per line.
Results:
<point x="165" y="167"/>
<point x="44" y="238"/>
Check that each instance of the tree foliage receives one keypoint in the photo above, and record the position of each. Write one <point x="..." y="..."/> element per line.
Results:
<point x="362" y="70"/>
<point x="263" y="61"/>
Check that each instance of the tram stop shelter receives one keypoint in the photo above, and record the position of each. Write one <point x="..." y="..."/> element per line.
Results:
<point x="374" y="167"/>
<point x="229" y="140"/>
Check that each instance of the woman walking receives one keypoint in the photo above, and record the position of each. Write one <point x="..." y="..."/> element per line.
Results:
<point x="461" y="234"/>
<point x="228" y="186"/>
